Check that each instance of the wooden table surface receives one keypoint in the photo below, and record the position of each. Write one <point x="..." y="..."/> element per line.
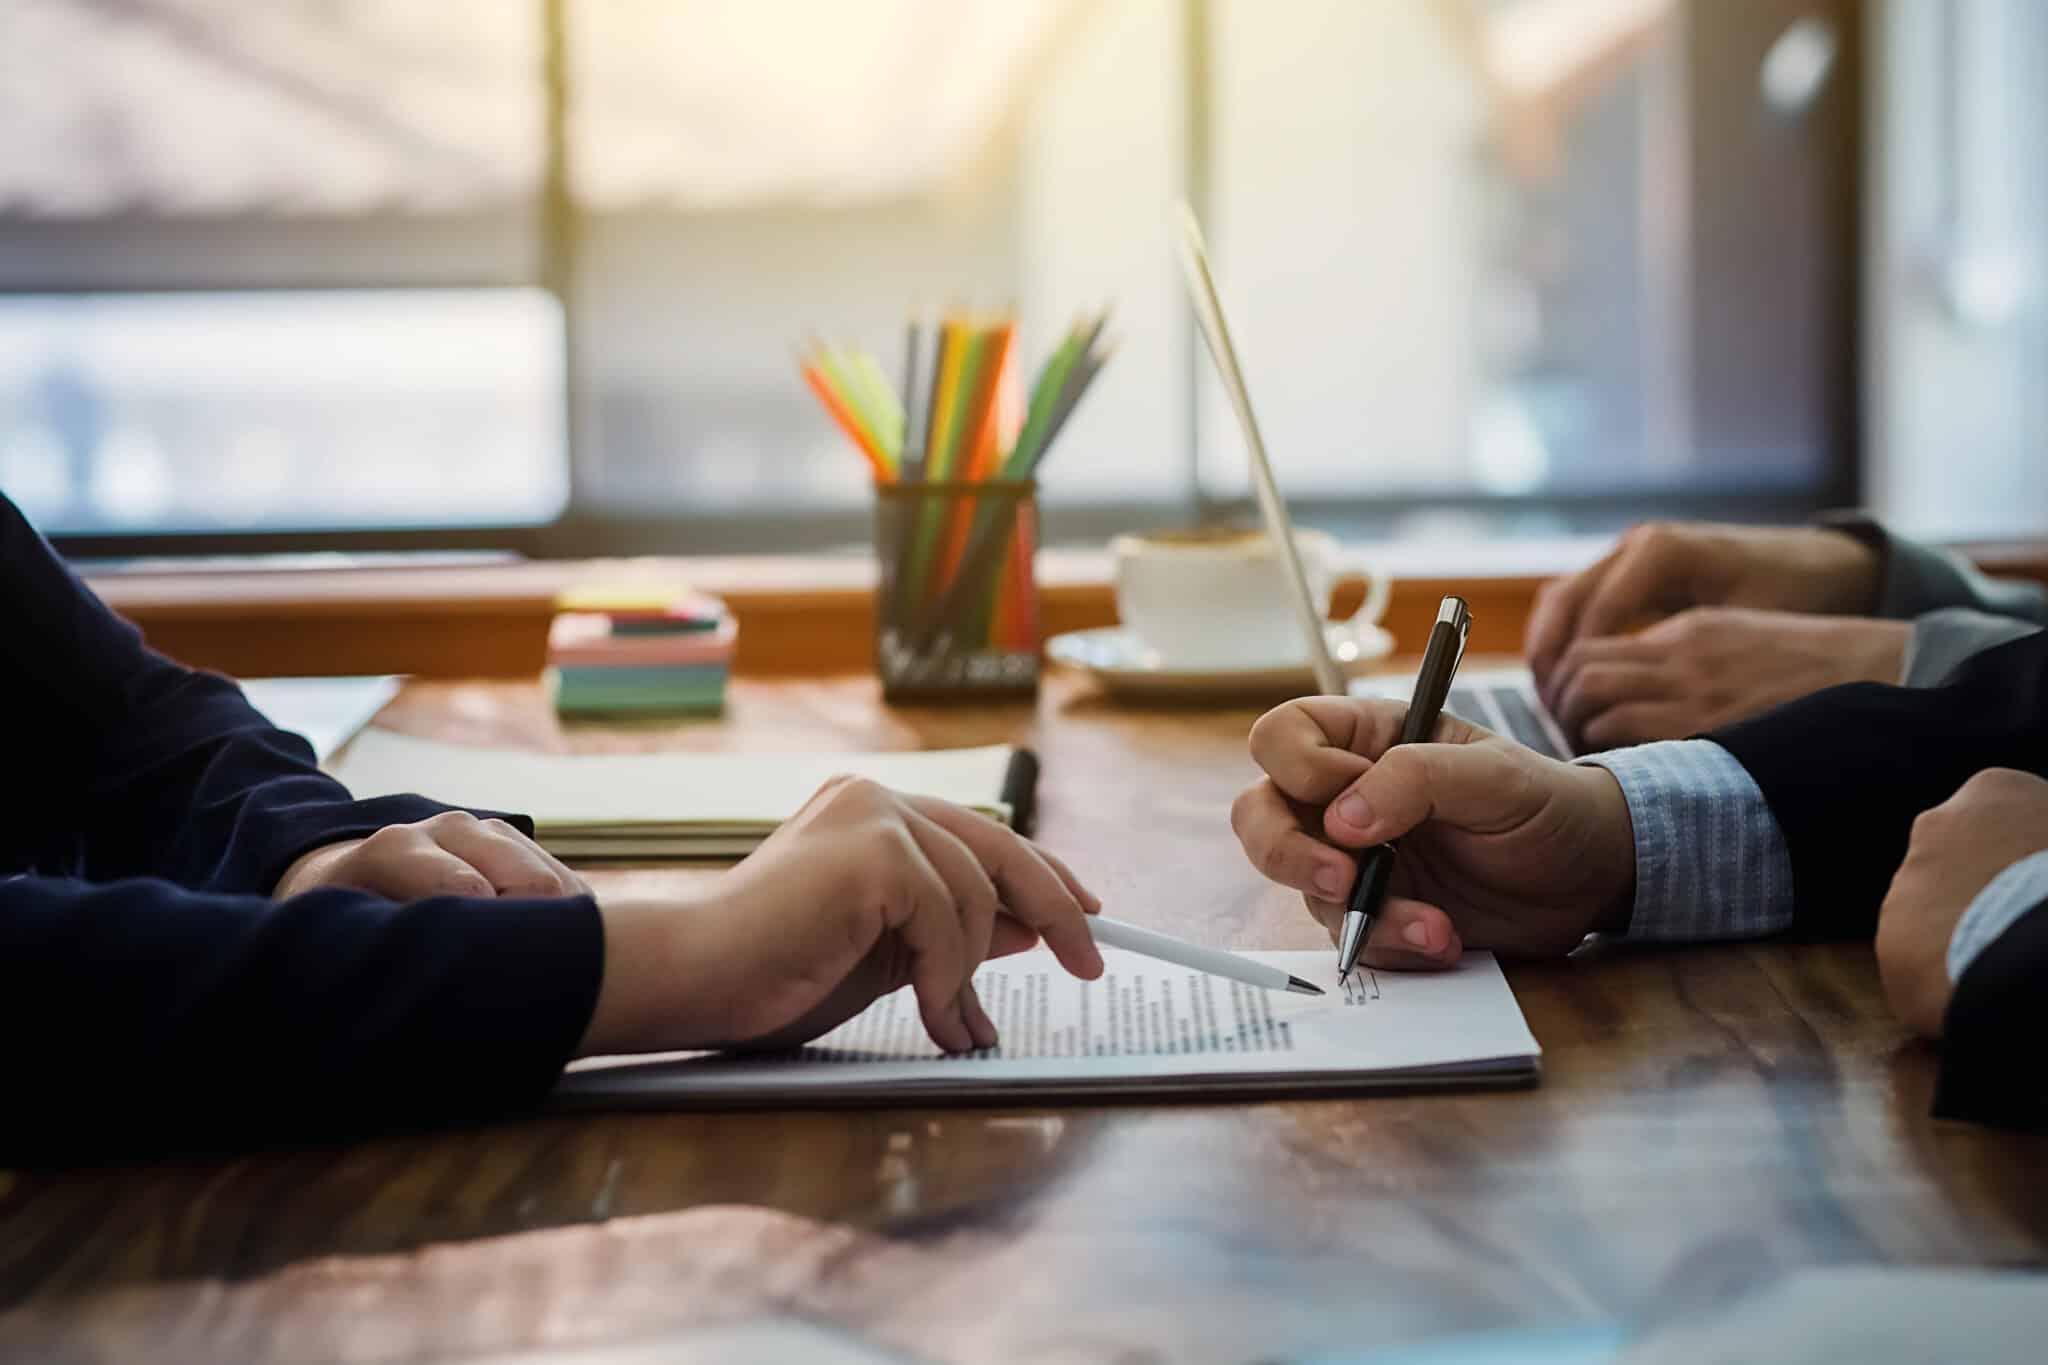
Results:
<point x="1707" y="1116"/>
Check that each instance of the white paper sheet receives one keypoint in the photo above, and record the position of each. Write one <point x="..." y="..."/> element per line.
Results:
<point x="1144" y="1027"/>
<point x="327" y="711"/>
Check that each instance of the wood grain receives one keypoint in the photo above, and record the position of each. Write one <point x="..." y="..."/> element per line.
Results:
<point x="798" y="617"/>
<point x="1707" y="1117"/>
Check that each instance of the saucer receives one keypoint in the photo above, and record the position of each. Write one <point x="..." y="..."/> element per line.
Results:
<point x="1126" y="666"/>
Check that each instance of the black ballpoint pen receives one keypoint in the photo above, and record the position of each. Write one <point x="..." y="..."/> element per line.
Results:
<point x="1432" y="686"/>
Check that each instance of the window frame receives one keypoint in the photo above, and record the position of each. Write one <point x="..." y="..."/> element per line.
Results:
<point x="585" y="531"/>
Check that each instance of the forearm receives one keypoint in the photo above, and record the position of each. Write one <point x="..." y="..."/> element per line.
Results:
<point x="141" y="766"/>
<point x="1914" y="579"/>
<point x="162" y="1017"/>
<point x="209" y="795"/>
<point x="199" y="788"/>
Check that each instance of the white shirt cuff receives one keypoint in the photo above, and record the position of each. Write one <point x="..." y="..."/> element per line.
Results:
<point x="2008" y="896"/>
<point x="1711" y="862"/>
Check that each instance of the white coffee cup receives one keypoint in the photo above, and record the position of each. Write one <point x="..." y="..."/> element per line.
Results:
<point x="1219" y="598"/>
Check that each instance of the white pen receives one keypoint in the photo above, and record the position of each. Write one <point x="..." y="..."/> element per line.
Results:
<point x="1115" y="933"/>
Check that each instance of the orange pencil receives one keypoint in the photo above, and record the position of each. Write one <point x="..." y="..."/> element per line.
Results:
<point x="843" y="415"/>
<point x="1007" y="630"/>
<point x="1004" y="625"/>
<point x="1018" y="608"/>
<point x="978" y="445"/>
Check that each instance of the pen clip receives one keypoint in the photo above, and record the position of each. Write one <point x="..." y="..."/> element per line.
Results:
<point x="1454" y="613"/>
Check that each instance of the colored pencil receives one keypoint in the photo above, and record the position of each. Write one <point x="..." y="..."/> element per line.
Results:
<point x="847" y="422"/>
<point x="910" y="460"/>
<point x="983" y="554"/>
<point x="925" y="517"/>
<point x="962" y="566"/>
<point x="887" y="409"/>
<point x="976" y="448"/>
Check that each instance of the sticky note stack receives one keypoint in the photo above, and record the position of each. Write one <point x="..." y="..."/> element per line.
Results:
<point x="640" y="651"/>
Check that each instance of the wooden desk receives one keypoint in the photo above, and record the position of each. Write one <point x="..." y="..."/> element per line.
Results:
<point x="1706" y="1115"/>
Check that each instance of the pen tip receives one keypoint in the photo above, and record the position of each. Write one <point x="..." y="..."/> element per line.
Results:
<point x="1300" y="987"/>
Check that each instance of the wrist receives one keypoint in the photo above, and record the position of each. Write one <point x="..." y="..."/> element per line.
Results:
<point x="1610" y="850"/>
<point x="1876" y="650"/>
<point x="644" y="998"/>
<point x="306" y="869"/>
<point x="1850" y="570"/>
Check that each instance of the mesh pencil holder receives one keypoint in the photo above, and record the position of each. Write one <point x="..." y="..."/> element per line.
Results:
<point x="956" y="605"/>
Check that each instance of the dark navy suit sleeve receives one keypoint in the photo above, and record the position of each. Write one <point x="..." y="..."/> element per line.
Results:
<point x="1993" y="1068"/>
<point x="1845" y="773"/>
<point x="143" y="1016"/>
<point x="144" y="767"/>
<point x="151" y="993"/>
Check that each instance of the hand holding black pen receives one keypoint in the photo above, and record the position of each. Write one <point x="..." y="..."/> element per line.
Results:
<point x="1432" y="687"/>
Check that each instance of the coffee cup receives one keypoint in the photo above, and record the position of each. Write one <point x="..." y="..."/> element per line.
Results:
<point x="1219" y="598"/>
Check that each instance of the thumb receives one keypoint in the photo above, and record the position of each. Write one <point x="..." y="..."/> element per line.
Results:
<point x="1470" y="786"/>
<point x="1412" y="935"/>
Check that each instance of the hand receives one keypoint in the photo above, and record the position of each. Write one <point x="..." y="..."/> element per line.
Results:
<point x="1995" y="819"/>
<point x="862" y="892"/>
<point x="451" y="854"/>
<point x="1663" y="567"/>
<point x="1501" y="847"/>
<point x="1708" y="666"/>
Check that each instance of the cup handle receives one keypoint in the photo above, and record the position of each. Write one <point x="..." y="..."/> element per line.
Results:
<point x="1379" y="588"/>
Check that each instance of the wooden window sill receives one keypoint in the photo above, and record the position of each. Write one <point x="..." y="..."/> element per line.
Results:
<point x="798" y="614"/>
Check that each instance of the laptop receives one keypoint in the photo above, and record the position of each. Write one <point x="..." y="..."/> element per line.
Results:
<point x="1503" y="700"/>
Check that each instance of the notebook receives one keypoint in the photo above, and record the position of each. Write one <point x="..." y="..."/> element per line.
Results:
<point x="1144" y="1029"/>
<point x="670" y="805"/>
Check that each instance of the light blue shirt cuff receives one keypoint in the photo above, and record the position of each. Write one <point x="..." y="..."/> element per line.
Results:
<point x="1711" y="862"/>
<point x="2009" y="895"/>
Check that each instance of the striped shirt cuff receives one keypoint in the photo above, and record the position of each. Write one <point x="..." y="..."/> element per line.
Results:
<point x="2009" y="895"/>
<point x="1710" y="860"/>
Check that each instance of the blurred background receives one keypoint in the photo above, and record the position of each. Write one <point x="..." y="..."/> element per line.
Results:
<point x="531" y="273"/>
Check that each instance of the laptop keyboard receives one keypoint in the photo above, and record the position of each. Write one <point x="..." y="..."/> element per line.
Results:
<point x="1523" y="722"/>
<point x="1502" y="700"/>
<point x="1507" y="709"/>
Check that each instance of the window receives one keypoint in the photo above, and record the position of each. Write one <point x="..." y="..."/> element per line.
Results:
<point x="1514" y="254"/>
<point x="1960" y="268"/>
<point x="286" y="410"/>
<point x="474" y="267"/>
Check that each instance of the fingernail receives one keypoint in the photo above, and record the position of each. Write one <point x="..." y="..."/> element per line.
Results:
<point x="1353" y="811"/>
<point x="1417" y="935"/>
<point x="1330" y="880"/>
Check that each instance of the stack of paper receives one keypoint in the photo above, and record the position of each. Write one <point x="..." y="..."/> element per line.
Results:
<point x="640" y="651"/>
<point x="665" y="805"/>
<point x="1143" y="1028"/>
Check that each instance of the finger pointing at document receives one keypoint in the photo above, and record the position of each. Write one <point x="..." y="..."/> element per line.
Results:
<point x="864" y="891"/>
